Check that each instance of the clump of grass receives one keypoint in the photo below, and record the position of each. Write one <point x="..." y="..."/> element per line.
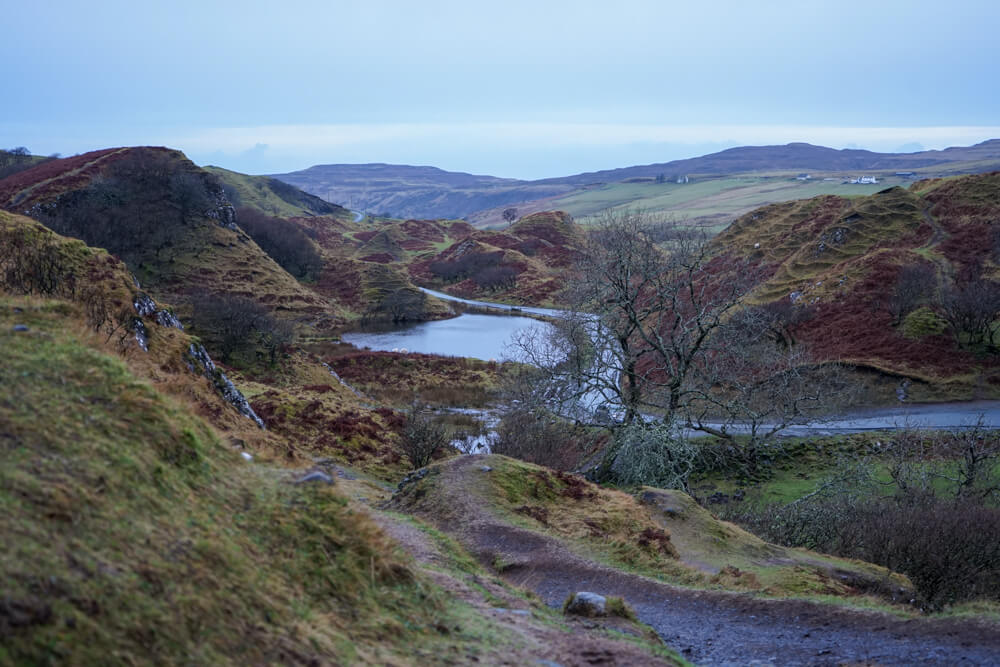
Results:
<point x="616" y="606"/>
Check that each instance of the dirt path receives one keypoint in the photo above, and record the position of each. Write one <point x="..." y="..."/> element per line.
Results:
<point x="708" y="627"/>
<point x="528" y="638"/>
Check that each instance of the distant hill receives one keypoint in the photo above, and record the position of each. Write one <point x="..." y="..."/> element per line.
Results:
<point x="428" y="192"/>
<point x="403" y="191"/>
<point x="791" y="157"/>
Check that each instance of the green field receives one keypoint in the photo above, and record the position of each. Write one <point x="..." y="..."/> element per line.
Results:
<point x="712" y="202"/>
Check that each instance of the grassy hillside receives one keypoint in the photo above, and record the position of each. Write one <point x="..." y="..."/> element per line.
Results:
<point x="136" y="530"/>
<point x="842" y="262"/>
<point x="273" y="197"/>
<point x="523" y="264"/>
<point x="661" y="534"/>
<point x="169" y="221"/>
<point x="706" y="201"/>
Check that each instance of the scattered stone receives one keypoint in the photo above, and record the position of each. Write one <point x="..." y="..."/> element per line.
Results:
<point x="247" y="456"/>
<point x="485" y="468"/>
<point x="21" y="327"/>
<point x="165" y="318"/>
<point x="141" y="334"/>
<point x="586" y="604"/>
<point x="315" y="476"/>
<point x="515" y="612"/>
<point x="144" y="305"/>
<point x="414" y="476"/>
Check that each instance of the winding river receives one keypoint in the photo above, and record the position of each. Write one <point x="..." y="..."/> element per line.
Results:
<point x="487" y="337"/>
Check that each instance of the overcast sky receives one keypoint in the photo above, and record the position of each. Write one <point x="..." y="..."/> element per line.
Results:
<point x="522" y="89"/>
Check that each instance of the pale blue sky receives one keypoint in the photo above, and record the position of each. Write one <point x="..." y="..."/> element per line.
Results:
<point x="523" y="89"/>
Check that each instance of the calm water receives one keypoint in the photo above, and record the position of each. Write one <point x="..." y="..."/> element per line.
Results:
<point x="488" y="337"/>
<point x="478" y="336"/>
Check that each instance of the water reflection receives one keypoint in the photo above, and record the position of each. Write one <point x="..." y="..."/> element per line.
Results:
<point x="470" y="335"/>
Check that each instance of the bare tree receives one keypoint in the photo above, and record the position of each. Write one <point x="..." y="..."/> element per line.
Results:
<point x="754" y="386"/>
<point x="423" y="437"/>
<point x="971" y="310"/>
<point x="915" y="284"/>
<point x="510" y="215"/>
<point x="664" y="328"/>
<point x="644" y="316"/>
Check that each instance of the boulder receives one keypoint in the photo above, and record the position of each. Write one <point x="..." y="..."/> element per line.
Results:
<point x="586" y="604"/>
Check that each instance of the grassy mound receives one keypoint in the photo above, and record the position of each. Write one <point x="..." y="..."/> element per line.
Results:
<point x="273" y="197"/>
<point x="657" y="533"/>
<point x="131" y="531"/>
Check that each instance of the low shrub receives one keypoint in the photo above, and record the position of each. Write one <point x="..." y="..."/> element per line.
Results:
<point x="923" y="322"/>
<point x="948" y="548"/>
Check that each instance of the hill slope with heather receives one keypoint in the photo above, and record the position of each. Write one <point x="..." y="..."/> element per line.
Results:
<point x="171" y="223"/>
<point x="888" y="281"/>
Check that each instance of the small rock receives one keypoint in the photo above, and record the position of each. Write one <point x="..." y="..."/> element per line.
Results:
<point x="315" y="476"/>
<point x="485" y="468"/>
<point x="21" y="327"/>
<point x="515" y="612"/>
<point x="247" y="456"/>
<point x="586" y="604"/>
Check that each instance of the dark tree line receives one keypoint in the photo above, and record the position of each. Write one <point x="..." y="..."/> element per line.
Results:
<point x="140" y="208"/>
<point x="286" y="242"/>
<point x="239" y="329"/>
<point x="14" y="160"/>
<point x="967" y="307"/>
<point x="483" y="268"/>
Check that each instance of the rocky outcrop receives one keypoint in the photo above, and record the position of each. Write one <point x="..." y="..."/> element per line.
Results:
<point x="141" y="334"/>
<point x="198" y="361"/>
<point x="145" y="306"/>
<point x="223" y="212"/>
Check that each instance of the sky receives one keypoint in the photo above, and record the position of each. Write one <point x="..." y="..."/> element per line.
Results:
<point x="519" y="89"/>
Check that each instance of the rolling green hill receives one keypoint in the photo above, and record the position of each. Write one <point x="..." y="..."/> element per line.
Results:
<point x="273" y="197"/>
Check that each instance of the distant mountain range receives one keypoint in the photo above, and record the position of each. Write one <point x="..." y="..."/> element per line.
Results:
<point x="428" y="192"/>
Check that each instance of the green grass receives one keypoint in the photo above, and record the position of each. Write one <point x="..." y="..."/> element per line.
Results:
<point x="706" y="199"/>
<point x="132" y="533"/>
<point x="273" y="197"/>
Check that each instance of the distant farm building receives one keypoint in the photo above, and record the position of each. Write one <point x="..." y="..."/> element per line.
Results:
<point x="682" y="179"/>
<point x="864" y="180"/>
<point x="803" y="177"/>
<point x="906" y="174"/>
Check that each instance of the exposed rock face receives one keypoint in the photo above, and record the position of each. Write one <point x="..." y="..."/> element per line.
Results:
<point x="197" y="360"/>
<point x="144" y="305"/>
<point x="586" y="604"/>
<point x="224" y="213"/>
<point x="165" y="318"/>
<point x="141" y="334"/>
